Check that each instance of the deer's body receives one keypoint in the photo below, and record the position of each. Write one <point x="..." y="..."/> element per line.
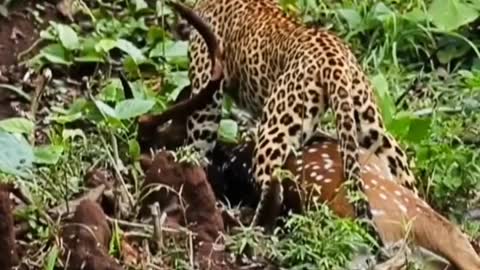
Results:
<point x="398" y="213"/>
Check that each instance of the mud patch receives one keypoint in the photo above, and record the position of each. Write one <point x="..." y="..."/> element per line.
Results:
<point x="22" y="27"/>
<point x="86" y="239"/>
<point x="8" y="252"/>
<point x="19" y="33"/>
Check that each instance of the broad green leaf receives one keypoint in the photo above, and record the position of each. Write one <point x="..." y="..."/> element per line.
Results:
<point x="180" y="79"/>
<point x="48" y="34"/>
<point x="91" y="52"/>
<point x="352" y="17"/>
<point x="419" y="129"/>
<point x="91" y="56"/>
<point x="415" y="15"/>
<point x="68" y="37"/>
<point x="385" y="100"/>
<point x="17" y="125"/>
<point x="449" y="15"/>
<point x="177" y="49"/>
<point x="112" y="91"/>
<point x="130" y="49"/>
<point x="16" y="156"/>
<point x="139" y="90"/>
<point x="105" y="45"/>
<point x="155" y="34"/>
<point x="75" y="112"/>
<point x="381" y="12"/>
<point x="175" y="53"/>
<point x="56" y="53"/>
<point x="48" y="154"/>
<point x="228" y="130"/>
<point x="130" y="66"/>
<point x="105" y="108"/>
<point x="140" y="4"/>
<point x="451" y="52"/>
<point x="400" y="125"/>
<point x="160" y="48"/>
<point x="130" y="108"/>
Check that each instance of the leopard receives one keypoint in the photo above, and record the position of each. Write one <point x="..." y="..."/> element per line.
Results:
<point x="287" y="75"/>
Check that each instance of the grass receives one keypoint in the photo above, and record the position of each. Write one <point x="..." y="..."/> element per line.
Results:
<point x="424" y="66"/>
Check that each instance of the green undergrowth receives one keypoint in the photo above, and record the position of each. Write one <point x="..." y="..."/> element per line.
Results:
<point x="421" y="56"/>
<point x="316" y="239"/>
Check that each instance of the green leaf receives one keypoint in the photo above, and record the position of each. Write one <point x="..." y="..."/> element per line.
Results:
<point x="175" y="52"/>
<point x="17" y="125"/>
<point x="419" y="130"/>
<point x="130" y="49"/>
<point x="68" y="37"/>
<point x="112" y="91"/>
<point x="16" y="156"/>
<point x="105" y="45"/>
<point x="92" y="58"/>
<point x="451" y="52"/>
<point x="130" y="66"/>
<point x="56" y="53"/>
<point x="352" y="17"/>
<point x="381" y="12"/>
<point x="155" y="34"/>
<point x="449" y="15"/>
<point x="48" y="154"/>
<point x="387" y="105"/>
<point x="415" y="15"/>
<point x="140" y="4"/>
<point x="75" y="112"/>
<point x="130" y="108"/>
<point x="228" y="130"/>
<point x="68" y="118"/>
<point x="105" y="108"/>
<point x="180" y="79"/>
<point x="52" y="258"/>
<point x="134" y="149"/>
<point x="400" y="125"/>
<point x="177" y="49"/>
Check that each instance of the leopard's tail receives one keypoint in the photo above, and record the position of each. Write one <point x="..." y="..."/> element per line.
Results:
<point x="214" y="47"/>
<point x="205" y="96"/>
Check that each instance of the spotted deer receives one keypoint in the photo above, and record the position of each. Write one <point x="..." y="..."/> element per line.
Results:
<point x="398" y="213"/>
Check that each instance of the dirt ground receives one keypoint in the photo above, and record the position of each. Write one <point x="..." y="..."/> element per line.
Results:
<point x="18" y="34"/>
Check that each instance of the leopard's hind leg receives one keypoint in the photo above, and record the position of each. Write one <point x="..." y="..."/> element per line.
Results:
<point x="372" y="134"/>
<point x="290" y="116"/>
<point x="278" y="134"/>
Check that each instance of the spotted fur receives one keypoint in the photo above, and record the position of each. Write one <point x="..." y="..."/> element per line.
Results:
<point x="398" y="213"/>
<point x="287" y="75"/>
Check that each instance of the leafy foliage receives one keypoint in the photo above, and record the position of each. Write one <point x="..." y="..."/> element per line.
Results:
<point x="315" y="240"/>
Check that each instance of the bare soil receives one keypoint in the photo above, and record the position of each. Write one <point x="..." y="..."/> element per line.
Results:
<point x="19" y="33"/>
